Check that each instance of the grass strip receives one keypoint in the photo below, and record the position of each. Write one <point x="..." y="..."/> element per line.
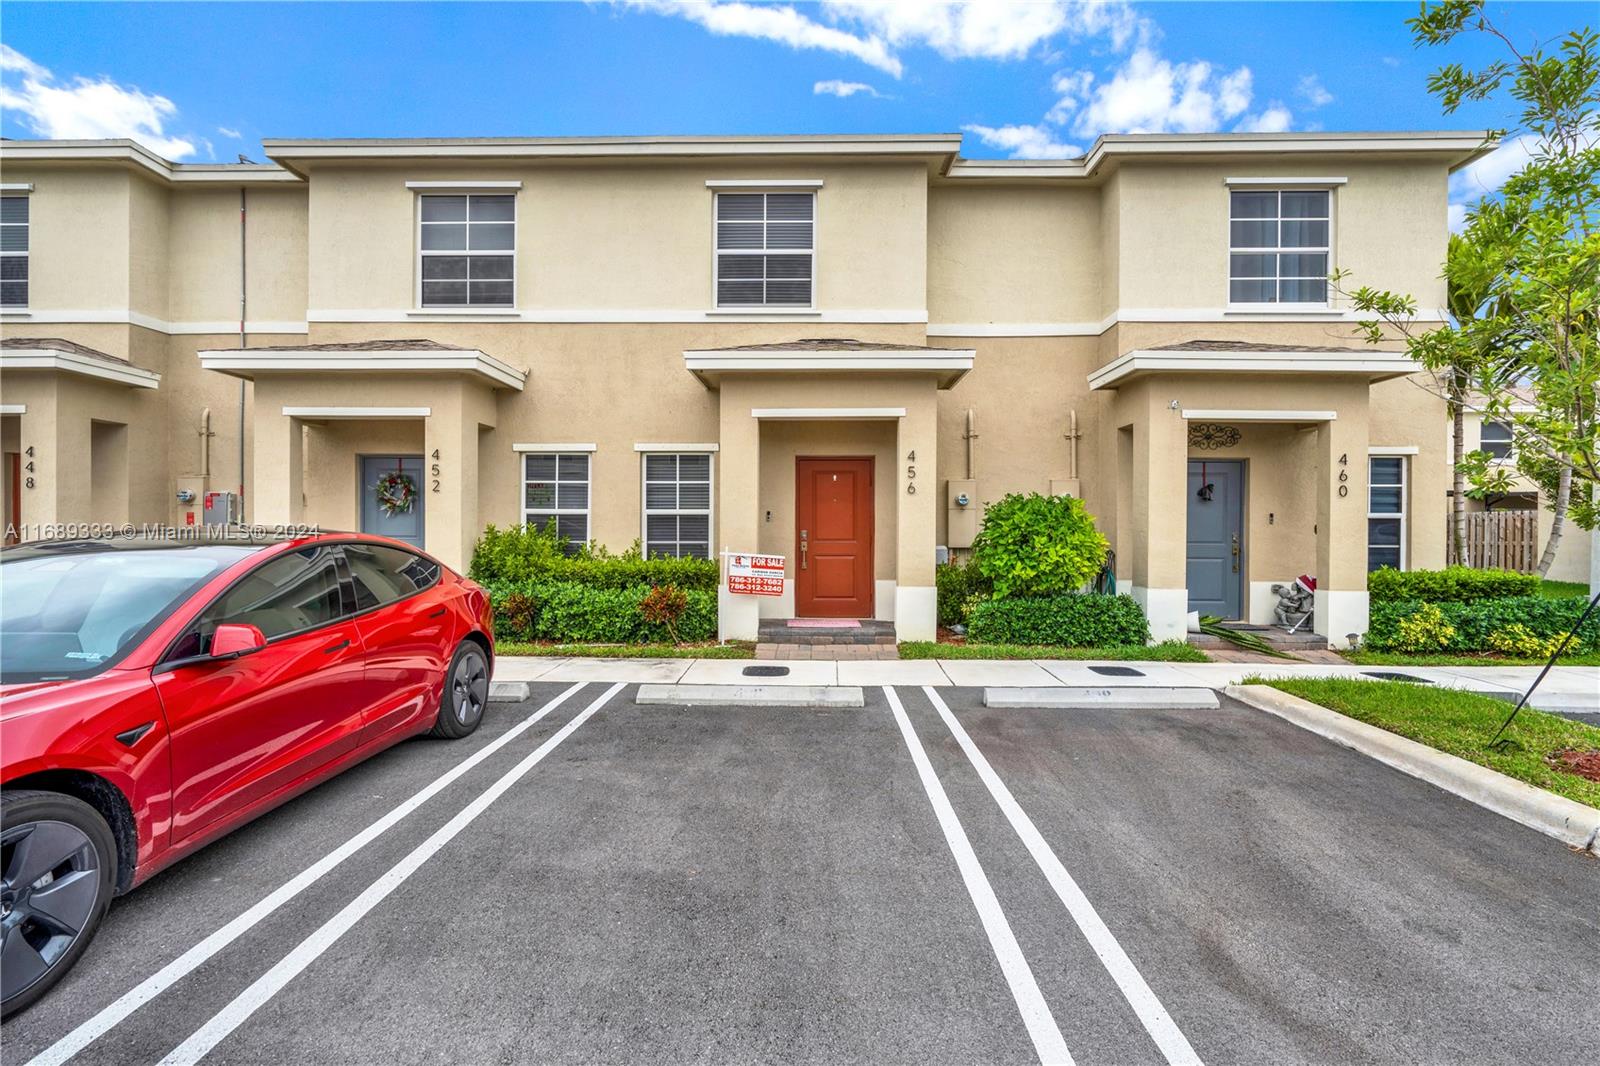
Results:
<point x="731" y="650"/>
<point x="1171" y="651"/>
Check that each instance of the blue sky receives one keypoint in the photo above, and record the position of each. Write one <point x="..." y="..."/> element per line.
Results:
<point x="207" y="81"/>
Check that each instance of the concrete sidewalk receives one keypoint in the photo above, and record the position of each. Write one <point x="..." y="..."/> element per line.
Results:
<point x="1568" y="689"/>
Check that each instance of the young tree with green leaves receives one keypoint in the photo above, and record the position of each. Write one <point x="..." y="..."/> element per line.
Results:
<point x="1526" y="266"/>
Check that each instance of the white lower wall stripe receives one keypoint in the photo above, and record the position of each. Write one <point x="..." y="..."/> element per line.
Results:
<point x="306" y="952"/>
<point x="1047" y="1039"/>
<point x="1157" y="1022"/>
<point x="178" y="968"/>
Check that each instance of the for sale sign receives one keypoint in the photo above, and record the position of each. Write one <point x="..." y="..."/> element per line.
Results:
<point x="755" y="575"/>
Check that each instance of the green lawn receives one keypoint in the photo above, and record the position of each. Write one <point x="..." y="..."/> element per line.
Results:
<point x="1556" y="589"/>
<point x="731" y="650"/>
<point x="1171" y="651"/>
<point x="1461" y="723"/>
<point x="1400" y="658"/>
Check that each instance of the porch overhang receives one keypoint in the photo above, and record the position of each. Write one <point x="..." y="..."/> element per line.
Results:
<point x="826" y="356"/>
<point x="386" y="357"/>
<point x="1211" y="357"/>
<point x="65" y="357"/>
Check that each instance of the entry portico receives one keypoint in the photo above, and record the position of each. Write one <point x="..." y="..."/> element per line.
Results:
<point x="1294" y="421"/>
<point x="784" y="409"/>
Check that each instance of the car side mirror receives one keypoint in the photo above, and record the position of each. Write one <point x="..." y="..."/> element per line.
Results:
<point x="233" y="639"/>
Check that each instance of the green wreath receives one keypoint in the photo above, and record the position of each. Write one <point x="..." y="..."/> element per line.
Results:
<point x="396" y="493"/>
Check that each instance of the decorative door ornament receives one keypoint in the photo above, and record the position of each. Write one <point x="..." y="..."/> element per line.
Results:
<point x="1212" y="436"/>
<point x="396" y="493"/>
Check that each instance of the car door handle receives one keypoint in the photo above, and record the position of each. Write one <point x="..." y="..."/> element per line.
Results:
<point x="436" y="614"/>
<point x="331" y="648"/>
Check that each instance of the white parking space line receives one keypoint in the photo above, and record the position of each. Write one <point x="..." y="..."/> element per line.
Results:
<point x="306" y="952"/>
<point x="1047" y="1039"/>
<point x="178" y="968"/>
<point x="1157" y="1022"/>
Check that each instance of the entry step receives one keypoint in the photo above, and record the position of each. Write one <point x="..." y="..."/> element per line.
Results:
<point x="826" y="632"/>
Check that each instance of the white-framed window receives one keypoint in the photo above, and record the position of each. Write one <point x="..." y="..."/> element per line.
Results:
<point x="14" y="251"/>
<point x="677" y="504"/>
<point x="556" y="485"/>
<point x="765" y="248"/>
<point x="467" y="250"/>
<point x="1386" y="511"/>
<point x="1495" y="438"/>
<point x="1279" y="242"/>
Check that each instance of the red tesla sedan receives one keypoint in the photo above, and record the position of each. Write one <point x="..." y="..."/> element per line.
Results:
<point x="155" y="694"/>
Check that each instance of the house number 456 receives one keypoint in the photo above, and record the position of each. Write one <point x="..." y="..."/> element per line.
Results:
<point x="911" y="473"/>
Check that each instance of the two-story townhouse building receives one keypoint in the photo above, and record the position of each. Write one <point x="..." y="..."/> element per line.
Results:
<point x="836" y="349"/>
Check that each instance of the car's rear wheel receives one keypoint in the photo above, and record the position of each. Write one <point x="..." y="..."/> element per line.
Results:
<point x="466" y="692"/>
<point x="57" y="873"/>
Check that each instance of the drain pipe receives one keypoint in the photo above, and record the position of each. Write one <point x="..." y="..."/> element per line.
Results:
<point x="1072" y="441"/>
<point x="970" y="436"/>
<point x="205" y="444"/>
<point x="244" y="342"/>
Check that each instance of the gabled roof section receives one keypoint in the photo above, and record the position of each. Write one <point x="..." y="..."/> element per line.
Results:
<point x="829" y="355"/>
<point x="59" y="354"/>
<point x="1239" y="357"/>
<point x="135" y="155"/>
<point x="410" y="355"/>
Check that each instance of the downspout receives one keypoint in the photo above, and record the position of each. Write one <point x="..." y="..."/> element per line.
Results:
<point x="1072" y="438"/>
<point x="244" y="342"/>
<point x="205" y="443"/>
<point x="971" y="435"/>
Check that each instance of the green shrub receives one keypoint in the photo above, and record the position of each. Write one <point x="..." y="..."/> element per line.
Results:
<point x="957" y="585"/>
<point x="1074" y="620"/>
<point x="1424" y="631"/>
<point x="665" y="605"/>
<point x="570" y="612"/>
<point x="1034" y="545"/>
<point x="1456" y="584"/>
<point x="1475" y="623"/>
<point x="527" y="553"/>
<point x="1518" y="639"/>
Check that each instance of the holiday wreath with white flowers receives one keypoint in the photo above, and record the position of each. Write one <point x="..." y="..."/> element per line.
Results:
<point x="396" y="493"/>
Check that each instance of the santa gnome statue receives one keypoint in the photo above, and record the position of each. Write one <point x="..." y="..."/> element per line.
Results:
<point x="1295" y="601"/>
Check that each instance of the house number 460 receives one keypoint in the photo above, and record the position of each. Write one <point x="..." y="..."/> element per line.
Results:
<point x="911" y="473"/>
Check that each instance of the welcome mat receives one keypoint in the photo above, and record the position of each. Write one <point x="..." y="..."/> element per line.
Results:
<point x="823" y="623"/>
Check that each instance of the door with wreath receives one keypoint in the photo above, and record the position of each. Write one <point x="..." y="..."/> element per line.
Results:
<point x="392" y="497"/>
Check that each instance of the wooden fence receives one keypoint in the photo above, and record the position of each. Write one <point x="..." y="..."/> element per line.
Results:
<point x="1502" y="540"/>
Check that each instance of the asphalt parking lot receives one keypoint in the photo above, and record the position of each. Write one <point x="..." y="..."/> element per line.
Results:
<point x="913" y="881"/>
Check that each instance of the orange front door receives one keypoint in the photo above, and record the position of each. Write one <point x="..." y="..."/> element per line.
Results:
<point x="833" y="538"/>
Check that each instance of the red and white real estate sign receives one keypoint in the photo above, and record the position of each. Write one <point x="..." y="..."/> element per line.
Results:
<point x="755" y="575"/>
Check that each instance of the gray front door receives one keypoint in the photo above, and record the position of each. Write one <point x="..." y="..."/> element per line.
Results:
<point x="406" y="525"/>
<point x="1216" y="536"/>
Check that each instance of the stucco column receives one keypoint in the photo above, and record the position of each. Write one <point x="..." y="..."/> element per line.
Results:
<point x="1341" y="600"/>
<point x="917" y="511"/>
<point x="738" y="525"/>
<point x="59" y="465"/>
<point x="450" y="447"/>
<point x="279" y="468"/>
<point x="1160" y="518"/>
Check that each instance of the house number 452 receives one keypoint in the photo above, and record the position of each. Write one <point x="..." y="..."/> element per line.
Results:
<point x="911" y="473"/>
<point x="433" y="471"/>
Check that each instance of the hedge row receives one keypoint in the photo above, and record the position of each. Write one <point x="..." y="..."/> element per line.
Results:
<point x="1474" y="623"/>
<point x="1456" y="584"/>
<point x="955" y="585"/>
<point x="573" y="613"/>
<point x="526" y="553"/>
<point x="1075" y="620"/>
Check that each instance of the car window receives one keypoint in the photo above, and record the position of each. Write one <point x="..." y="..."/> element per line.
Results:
<point x="296" y="591"/>
<point x="382" y="574"/>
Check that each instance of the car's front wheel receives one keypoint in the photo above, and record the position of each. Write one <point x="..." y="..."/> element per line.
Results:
<point x="57" y="873"/>
<point x="466" y="692"/>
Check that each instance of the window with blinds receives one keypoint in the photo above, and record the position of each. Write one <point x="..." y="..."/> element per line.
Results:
<point x="1386" y="512"/>
<point x="1279" y="246"/>
<point x="765" y="249"/>
<point x="13" y="251"/>
<point x="468" y="248"/>
<point x="677" y="504"/>
<point x="556" y="487"/>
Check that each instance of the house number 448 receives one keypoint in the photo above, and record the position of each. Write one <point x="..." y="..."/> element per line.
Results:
<point x="911" y="473"/>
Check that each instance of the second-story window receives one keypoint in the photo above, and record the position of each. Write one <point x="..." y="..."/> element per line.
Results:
<point x="1279" y="244"/>
<point x="13" y="251"/>
<point x="765" y="249"/>
<point x="1496" y="439"/>
<point x="468" y="248"/>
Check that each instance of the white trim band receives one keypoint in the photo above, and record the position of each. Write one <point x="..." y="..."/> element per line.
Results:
<point x="358" y="412"/>
<point x="13" y="408"/>
<point x="792" y="414"/>
<point x="677" y="447"/>
<point x="1208" y="415"/>
<point x="1376" y="365"/>
<point x="463" y="184"/>
<point x="543" y="448"/>
<point x="763" y="183"/>
<point x="1302" y="182"/>
<point x="247" y="362"/>
<point x="16" y="186"/>
<point x="1393" y="449"/>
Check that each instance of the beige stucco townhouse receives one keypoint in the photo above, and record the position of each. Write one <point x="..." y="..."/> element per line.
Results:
<point x="836" y="349"/>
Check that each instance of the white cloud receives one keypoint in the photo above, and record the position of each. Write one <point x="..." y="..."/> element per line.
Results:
<point x="87" y="108"/>
<point x="1150" y="94"/>
<point x="1275" y="119"/>
<point x="1484" y="176"/>
<point x="1313" y="92"/>
<point x="1025" y="142"/>
<point x="1458" y="217"/>
<point x="780" y="24"/>
<point x="843" y="89"/>
<point x="229" y="131"/>
<point x="986" y="29"/>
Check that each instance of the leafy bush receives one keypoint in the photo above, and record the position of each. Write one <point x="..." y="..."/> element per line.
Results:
<point x="957" y="586"/>
<point x="1424" y="631"/>
<point x="571" y="612"/>
<point x="1518" y="639"/>
<point x="1456" y="584"/>
<point x="1474" y="623"/>
<point x="664" y="605"/>
<point x="524" y="553"/>
<point x="1072" y="620"/>
<point x="1034" y="545"/>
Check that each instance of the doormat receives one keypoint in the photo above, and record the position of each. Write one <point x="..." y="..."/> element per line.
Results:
<point x="824" y="623"/>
